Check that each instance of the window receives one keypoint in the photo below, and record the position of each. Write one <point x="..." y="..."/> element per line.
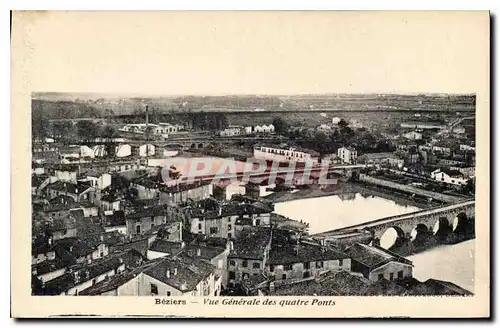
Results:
<point x="245" y="263"/>
<point x="341" y="262"/>
<point x="400" y="274"/>
<point x="256" y="265"/>
<point x="229" y="236"/>
<point x="319" y="264"/>
<point x="305" y="275"/>
<point x="307" y="265"/>
<point x="229" y="219"/>
<point x="288" y="267"/>
<point x="154" y="289"/>
<point x="229" y="227"/>
<point x="213" y="230"/>
<point x="391" y="276"/>
<point x="271" y="268"/>
<point x="168" y="293"/>
<point x="283" y="276"/>
<point x="199" y="226"/>
<point x="257" y="222"/>
<point x="138" y="229"/>
<point x="380" y="276"/>
<point x="232" y="275"/>
<point x="231" y="263"/>
<point x="101" y="254"/>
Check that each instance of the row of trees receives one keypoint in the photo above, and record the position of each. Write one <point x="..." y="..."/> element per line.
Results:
<point x="208" y="121"/>
<point x="85" y="130"/>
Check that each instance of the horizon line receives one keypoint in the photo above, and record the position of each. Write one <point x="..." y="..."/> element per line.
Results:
<point x="154" y="95"/>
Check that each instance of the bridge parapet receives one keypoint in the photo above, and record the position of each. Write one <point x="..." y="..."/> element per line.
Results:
<point x="405" y="223"/>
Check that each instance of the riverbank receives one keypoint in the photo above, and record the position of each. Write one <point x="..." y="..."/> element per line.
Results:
<point x="348" y="190"/>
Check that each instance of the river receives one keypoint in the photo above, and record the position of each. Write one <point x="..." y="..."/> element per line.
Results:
<point x="454" y="263"/>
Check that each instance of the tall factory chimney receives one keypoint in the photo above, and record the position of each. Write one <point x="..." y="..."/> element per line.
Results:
<point x="147" y="124"/>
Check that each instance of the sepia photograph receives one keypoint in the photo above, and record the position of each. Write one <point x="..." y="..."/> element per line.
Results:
<point x="262" y="159"/>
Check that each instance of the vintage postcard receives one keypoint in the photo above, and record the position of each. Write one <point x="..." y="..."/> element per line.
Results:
<point x="313" y="164"/>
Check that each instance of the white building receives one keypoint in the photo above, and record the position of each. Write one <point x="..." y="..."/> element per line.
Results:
<point x="231" y="131"/>
<point x="123" y="150"/>
<point x="146" y="150"/>
<point x="412" y="135"/>
<point x="99" y="151"/>
<point x="467" y="147"/>
<point x="86" y="151"/>
<point x="169" y="128"/>
<point x="264" y="128"/>
<point x="248" y="129"/>
<point x="449" y="177"/>
<point x="336" y="120"/>
<point x="347" y="155"/>
<point x="286" y="155"/>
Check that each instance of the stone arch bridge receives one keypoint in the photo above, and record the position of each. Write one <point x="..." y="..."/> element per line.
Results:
<point x="454" y="217"/>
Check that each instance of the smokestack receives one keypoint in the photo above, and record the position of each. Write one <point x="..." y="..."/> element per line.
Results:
<point x="147" y="124"/>
<point x="168" y="273"/>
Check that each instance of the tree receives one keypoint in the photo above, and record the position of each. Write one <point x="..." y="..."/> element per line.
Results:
<point x="108" y="132"/>
<point x="62" y="129"/>
<point x="343" y="124"/>
<point x="87" y="130"/>
<point x="280" y="126"/>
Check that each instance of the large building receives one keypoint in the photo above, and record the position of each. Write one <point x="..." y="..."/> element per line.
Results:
<point x="286" y="155"/>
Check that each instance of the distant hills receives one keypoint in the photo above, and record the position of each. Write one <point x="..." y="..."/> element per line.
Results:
<point x="77" y="105"/>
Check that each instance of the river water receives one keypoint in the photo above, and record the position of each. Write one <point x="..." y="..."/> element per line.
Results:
<point x="454" y="263"/>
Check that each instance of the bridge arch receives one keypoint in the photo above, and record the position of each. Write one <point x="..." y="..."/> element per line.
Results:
<point x="460" y="222"/>
<point x="193" y="146"/>
<point x="441" y="227"/>
<point x="420" y="232"/>
<point x="200" y="145"/>
<point x="392" y="237"/>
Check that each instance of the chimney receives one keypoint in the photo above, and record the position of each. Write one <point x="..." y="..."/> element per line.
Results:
<point x="102" y="237"/>
<point x="71" y="248"/>
<point x="120" y="260"/>
<point x="175" y="271"/>
<point x="168" y="273"/>
<point x="271" y="287"/>
<point x="198" y="252"/>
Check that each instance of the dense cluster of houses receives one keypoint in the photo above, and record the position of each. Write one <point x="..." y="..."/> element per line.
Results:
<point x="101" y="233"/>
<point x="97" y="232"/>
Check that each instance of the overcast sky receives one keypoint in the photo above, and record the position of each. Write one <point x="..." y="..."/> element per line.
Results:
<point x="256" y="52"/>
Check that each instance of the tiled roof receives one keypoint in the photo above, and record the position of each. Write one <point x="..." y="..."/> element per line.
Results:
<point x="205" y="252"/>
<point x="438" y="287"/>
<point x="167" y="247"/>
<point x="303" y="253"/>
<point x="85" y="272"/>
<point x="48" y="266"/>
<point x="158" y="210"/>
<point x="252" y="243"/>
<point x="190" y="272"/>
<point x="373" y="256"/>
